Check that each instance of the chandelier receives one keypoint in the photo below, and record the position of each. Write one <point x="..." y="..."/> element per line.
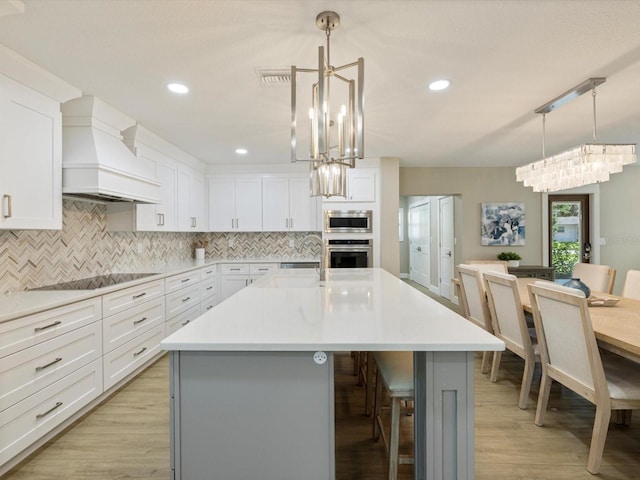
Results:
<point x="583" y="165"/>
<point x="334" y="143"/>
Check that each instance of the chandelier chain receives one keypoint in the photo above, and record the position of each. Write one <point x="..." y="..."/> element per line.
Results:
<point x="593" y="95"/>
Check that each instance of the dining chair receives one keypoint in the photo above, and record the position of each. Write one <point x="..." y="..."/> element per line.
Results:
<point x="599" y="278"/>
<point x="510" y="326"/>
<point x="569" y="355"/>
<point x="475" y="301"/>
<point x="631" y="287"/>
<point x="489" y="265"/>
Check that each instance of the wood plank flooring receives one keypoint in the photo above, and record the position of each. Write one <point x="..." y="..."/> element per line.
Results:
<point x="128" y="435"/>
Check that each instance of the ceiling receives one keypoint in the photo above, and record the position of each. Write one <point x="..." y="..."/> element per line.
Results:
<point x="505" y="59"/>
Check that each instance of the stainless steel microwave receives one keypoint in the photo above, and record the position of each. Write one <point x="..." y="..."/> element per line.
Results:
<point x="348" y="221"/>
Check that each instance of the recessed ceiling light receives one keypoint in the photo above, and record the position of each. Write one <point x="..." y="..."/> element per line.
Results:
<point x="178" y="88"/>
<point x="241" y="151"/>
<point x="437" y="85"/>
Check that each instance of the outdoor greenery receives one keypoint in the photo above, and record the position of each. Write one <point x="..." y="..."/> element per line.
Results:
<point x="565" y="256"/>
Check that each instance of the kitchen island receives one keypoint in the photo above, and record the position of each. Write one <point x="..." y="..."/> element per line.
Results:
<point x="252" y="379"/>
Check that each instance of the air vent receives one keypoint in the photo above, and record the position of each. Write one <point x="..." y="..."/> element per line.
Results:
<point x="270" y="77"/>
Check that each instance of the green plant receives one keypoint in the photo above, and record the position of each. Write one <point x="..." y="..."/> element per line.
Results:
<point x="565" y="256"/>
<point x="509" y="256"/>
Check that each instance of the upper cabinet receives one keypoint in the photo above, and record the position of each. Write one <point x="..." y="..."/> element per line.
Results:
<point x="30" y="144"/>
<point x="286" y="204"/>
<point x="191" y="200"/>
<point x="182" y="193"/>
<point x="235" y="203"/>
<point x="361" y="186"/>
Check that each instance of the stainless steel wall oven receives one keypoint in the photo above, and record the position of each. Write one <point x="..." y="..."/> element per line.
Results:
<point x="348" y="253"/>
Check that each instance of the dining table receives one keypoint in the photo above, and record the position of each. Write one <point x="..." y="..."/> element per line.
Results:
<point x="615" y="320"/>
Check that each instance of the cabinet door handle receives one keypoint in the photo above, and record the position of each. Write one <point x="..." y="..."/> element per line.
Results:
<point x="8" y="202"/>
<point x="144" y="349"/>
<point x="291" y="222"/>
<point x="186" y="299"/>
<point x="184" y="323"/>
<point x="185" y="280"/>
<point x="140" y="295"/>
<point x="57" y="405"/>
<point x="136" y="322"/>
<point x="209" y="307"/>
<point x="286" y="223"/>
<point x="209" y="288"/>
<point x="39" y="329"/>
<point x="59" y="359"/>
<point x="159" y="219"/>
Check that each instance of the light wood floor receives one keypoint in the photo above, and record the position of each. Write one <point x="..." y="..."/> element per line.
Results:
<point x="128" y="435"/>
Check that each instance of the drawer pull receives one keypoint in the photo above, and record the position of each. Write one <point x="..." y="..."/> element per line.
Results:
<point x="263" y="269"/>
<point x="144" y="349"/>
<point x="209" y="288"/>
<point x="57" y="405"/>
<point x="234" y="269"/>
<point x="209" y="307"/>
<point x="185" y="280"/>
<point x="186" y="299"/>
<point x="141" y="295"/>
<point x="184" y="323"/>
<point x="39" y="329"/>
<point x="136" y="322"/>
<point x="210" y="271"/>
<point x="59" y="359"/>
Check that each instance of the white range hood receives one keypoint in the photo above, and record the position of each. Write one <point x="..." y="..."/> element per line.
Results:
<point x="96" y="164"/>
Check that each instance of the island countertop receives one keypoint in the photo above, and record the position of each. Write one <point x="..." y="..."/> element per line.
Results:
<point x="354" y="309"/>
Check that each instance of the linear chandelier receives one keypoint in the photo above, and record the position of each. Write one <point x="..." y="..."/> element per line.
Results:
<point x="583" y="165"/>
<point x="334" y="143"/>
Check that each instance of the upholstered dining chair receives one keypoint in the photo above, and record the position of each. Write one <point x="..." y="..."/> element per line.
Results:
<point x="569" y="354"/>
<point x="489" y="265"/>
<point x="599" y="278"/>
<point x="510" y="326"/>
<point x="475" y="301"/>
<point x="631" y="287"/>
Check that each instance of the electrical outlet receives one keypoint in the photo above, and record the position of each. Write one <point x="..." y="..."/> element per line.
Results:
<point x="292" y="243"/>
<point x="231" y="243"/>
<point x="320" y="357"/>
<point x="140" y="247"/>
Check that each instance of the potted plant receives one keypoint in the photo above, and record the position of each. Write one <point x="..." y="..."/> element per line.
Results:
<point x="512" y="258"/>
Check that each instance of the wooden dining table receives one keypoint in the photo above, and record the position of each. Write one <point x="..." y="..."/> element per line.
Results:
<point x="617" y="327"/>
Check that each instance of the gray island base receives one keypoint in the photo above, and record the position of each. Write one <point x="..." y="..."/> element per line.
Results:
<point x="250" y="401"/>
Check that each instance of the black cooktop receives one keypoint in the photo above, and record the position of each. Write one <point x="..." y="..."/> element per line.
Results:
<point x="96" y="282"/>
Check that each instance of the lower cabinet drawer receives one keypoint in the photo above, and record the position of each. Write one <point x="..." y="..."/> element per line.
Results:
<point x="30" y="330"/>
<point x="123" y="360"/>
<point x="208" y="304"/>
<point x="119" y="329"/>
<point x="30" y="419"/>
<point x="28" y="371"/>
<point x="182" y="300"/>
<point x="179" y="321"/>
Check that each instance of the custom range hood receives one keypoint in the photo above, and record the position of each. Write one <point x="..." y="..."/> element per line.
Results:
<point x="96" y="164"/>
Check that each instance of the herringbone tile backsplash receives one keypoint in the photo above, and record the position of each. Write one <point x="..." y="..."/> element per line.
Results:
<point x="84" y="248"/>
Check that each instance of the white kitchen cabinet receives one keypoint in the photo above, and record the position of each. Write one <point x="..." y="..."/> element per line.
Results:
<point x="361" y="186"/>
<point x="235" y="204"/>
<point x="257" y="270"/>
<point x="31" y="153"/>
<point x="286" y="204"/>
<point x="191" y="200"/>
<point x="233" y="278"/>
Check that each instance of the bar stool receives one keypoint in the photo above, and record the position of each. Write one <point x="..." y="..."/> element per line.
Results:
<point x="395" y="371"/>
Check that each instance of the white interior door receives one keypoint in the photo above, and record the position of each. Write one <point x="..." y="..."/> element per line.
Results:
<point x="420" y="243"/>
<point x="445" y="211"/>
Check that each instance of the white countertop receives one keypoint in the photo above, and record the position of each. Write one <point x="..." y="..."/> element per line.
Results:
<point x="356" y="309"/>
<point x="18" y="304"/>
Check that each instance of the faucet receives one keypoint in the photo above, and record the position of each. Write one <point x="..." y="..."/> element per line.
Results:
<point x="318" y="238"/>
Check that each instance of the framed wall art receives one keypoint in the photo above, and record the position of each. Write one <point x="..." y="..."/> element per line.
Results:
<point x="503" y="224"/>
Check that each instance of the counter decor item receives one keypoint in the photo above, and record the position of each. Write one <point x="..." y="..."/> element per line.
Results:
<point x="577" y="284"/>
<point x="512" y="258"/>
<point x="199" y="246"/>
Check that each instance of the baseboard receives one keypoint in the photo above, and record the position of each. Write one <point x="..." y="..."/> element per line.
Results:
<point x="404" y="275"/>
